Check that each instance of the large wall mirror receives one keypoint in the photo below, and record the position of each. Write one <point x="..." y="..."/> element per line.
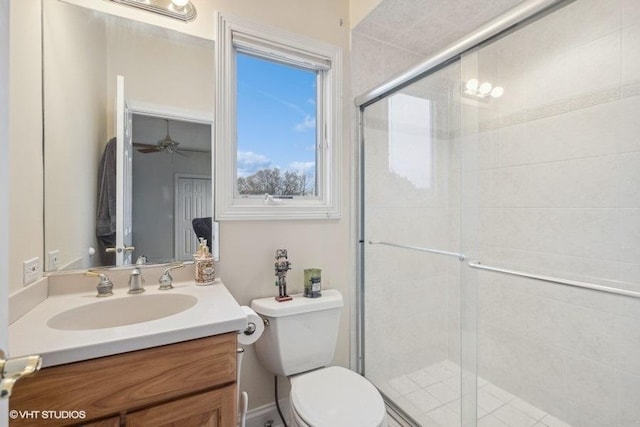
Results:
<point x="168" y="88"/>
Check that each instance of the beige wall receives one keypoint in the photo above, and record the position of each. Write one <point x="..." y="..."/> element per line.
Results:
<point x="359" y="9"/>
<point x="247" y="248"/>
<point x="320" y="20"/>
<point x="25" y="138"/>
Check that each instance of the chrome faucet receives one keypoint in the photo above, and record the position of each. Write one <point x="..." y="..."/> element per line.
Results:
<point x="136" y="282"/>
<point x="105" y="287"/>
<point x="166" y="281"/>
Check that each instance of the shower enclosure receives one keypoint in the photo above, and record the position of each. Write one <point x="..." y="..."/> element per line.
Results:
<point x="500" y="224"/>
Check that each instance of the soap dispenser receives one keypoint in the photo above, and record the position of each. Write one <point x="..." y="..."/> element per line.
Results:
<point x="205" y="270"/>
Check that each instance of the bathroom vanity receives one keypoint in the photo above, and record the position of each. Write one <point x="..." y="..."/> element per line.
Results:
<point x="192" y="383"/>
<point x="179" y="369"/>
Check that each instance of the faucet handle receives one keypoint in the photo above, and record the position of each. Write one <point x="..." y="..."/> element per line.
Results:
<point x="136" y="281"/>
<point x="105" y="286"/>
<point x="166" y="281"/>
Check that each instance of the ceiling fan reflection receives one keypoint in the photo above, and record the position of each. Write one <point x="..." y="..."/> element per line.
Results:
<point x="165" y="145"/>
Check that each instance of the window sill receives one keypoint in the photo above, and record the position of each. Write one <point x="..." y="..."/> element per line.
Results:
<point x="257" y="210"/>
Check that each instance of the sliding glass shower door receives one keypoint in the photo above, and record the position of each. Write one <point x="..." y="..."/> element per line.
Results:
<point x="499" y="230"/>
<point x="410" y="222"/>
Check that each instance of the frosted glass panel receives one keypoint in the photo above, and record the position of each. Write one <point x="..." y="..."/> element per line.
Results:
<point x="412" y="298"/>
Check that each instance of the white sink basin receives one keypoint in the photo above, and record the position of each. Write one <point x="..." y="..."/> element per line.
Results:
<point x="109" y="313"/>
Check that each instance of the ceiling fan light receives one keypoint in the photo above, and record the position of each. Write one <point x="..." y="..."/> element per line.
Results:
<point x="180" y="3"/>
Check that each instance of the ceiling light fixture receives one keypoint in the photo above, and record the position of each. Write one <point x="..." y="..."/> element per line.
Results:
<point x="497" y="92"/>
<point x="183" y="10"/>
<point x="485" y="88"/>
<point x="472" y="85"/>
<point x="473" y="88"/>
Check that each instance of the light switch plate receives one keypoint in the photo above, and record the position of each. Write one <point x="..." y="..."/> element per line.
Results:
<point x="53" y="260"/>
<point x="31" y="270"/>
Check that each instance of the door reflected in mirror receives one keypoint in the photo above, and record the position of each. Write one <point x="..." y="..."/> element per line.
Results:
<point x="171" y="188"/>
<point x="169" y="87"/>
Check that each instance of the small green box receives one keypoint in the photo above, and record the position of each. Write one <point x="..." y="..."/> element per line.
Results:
<point x="312" y="282"/>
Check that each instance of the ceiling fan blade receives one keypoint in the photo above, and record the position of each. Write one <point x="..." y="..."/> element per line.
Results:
<point x="148" y="150"/>
<point x="193" y="150"/>
<point x="139" y="144"/>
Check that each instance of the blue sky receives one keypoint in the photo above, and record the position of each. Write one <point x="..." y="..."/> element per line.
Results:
<point x="276" y="116"/>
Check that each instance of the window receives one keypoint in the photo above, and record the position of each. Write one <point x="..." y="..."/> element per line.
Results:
<point x="278" y="123"/>
<point x="277" y="132"/>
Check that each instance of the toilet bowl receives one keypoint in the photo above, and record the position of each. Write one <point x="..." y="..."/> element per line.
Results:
<point x="335" y="397"/>
<point x="298" y="342"/>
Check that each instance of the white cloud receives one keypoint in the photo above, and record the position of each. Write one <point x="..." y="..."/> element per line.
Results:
<point x="301" y="166"/>
<point x="250" y="162"/>
<point x="309" y="122"/>
<point x="306" y="168"/>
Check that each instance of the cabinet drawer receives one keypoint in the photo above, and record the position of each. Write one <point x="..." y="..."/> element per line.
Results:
<point x="129" y="381"/>
<point x="214" y="408"/>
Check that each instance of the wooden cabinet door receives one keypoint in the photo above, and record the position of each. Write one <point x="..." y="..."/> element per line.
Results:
<point x="115" y="384"/>
<point x="214" y="408"/>
<point x="110" y="422"/>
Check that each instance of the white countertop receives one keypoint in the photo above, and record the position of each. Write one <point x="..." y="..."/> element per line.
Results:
<point x="216" y="312"/>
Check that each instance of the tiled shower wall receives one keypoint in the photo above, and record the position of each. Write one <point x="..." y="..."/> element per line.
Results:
<point x="559" y="194"/>
<point x="556" y="162"/>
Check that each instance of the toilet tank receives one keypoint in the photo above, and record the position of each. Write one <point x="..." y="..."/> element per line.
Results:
<point x="301" y="334"/>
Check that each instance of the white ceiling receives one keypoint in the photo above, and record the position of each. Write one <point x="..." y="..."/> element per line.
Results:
<point x="426" y="26"/>
<point x="193" y="136"/>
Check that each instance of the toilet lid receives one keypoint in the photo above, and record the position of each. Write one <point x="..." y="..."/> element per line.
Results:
<point x="336" y="397"/>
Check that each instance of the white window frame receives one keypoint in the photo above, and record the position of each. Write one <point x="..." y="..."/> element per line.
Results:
<point x="274" y="43"/>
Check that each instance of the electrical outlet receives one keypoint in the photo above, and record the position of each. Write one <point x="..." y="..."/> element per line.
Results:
<point x="53" y="260"/>
<point x="31" y="270"/>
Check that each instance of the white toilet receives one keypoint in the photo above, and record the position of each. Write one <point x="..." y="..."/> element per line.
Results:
<point x="298" y="342"/>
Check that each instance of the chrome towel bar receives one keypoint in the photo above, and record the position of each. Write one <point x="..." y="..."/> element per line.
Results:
<point x="540" y="277"/>
<point x="558" y="281"/>
<point x="461" y="257"/>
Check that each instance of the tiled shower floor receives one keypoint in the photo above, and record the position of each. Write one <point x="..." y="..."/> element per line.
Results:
<point x="432" y="397"/>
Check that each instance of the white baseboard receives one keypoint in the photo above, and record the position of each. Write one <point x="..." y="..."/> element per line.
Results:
<point x="260" y="417"/>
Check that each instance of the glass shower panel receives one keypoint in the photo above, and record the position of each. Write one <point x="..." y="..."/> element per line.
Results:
<point x="411" y="201"/>
<point x="558" y="158"/>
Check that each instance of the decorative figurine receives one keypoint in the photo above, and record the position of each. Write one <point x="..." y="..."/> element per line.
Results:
<point x="282" y="265"/>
